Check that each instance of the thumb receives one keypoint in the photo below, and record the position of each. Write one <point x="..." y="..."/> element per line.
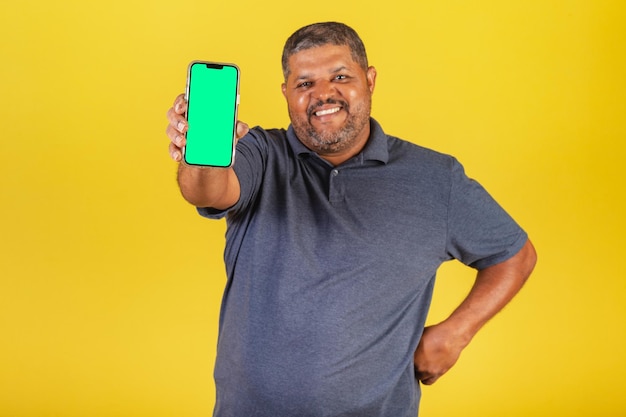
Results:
<point x="242" y="129"/>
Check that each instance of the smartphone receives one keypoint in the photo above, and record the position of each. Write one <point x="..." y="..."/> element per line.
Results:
<point x="212" y="95"/>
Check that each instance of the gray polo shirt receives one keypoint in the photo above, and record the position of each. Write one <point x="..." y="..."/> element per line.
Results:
<point x="331" y="272"/>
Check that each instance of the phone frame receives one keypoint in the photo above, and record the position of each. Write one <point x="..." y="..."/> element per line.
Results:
<point x="235" y="110"/>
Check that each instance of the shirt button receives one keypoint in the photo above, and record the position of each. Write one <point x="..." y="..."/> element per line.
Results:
<point x="335" y="172"/>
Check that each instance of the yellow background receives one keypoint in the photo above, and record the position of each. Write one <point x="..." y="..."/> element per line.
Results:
<point x="110" y="283"/>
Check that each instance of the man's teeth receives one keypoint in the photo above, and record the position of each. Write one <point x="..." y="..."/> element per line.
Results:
<point x="327" y="111"/>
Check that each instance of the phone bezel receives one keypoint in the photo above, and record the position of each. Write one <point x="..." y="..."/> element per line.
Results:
<point x="235" y="110"/>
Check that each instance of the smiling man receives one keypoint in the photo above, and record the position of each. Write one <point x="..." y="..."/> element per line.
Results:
<point x="335" y="233"/>
<point x="329" y="97"/>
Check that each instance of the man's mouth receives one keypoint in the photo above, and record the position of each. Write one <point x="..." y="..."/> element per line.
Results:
<point x="327" y="111"/>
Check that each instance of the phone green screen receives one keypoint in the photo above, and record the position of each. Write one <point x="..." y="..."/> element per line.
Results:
<point x="212" y="91"/>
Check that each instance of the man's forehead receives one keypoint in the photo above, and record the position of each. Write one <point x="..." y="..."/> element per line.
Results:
<point x="326" y="59"/>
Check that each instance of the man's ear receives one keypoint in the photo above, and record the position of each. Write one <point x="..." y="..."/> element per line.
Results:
<point x="283" y="87"/>
<point x="371" y="78"/>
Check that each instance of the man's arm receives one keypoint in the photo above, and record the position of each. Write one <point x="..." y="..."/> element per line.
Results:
<point x="201" y="186"/>
<point x="441" y="344"/>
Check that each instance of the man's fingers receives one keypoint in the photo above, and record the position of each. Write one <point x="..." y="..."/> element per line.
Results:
<point x="180" y="104"/>
<point x="176" y="120"/>
<point x="176" y="128"/>
<point x="422" y="376"/>
<point x="425" y="378"/>
<point x="175" y="152"/>
<point x="428" y="381"/>
<point x="176" y="136"/>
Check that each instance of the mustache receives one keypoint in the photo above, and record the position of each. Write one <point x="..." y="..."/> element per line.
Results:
<point x="316" y="106"/>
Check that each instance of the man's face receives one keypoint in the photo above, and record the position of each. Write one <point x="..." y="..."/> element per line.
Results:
<point x="329" y="98"/>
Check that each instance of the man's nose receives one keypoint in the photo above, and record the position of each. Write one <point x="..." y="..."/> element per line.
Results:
<point x="324" y="90"/>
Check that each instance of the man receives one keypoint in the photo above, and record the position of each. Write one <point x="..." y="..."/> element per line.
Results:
<point x="335" y="232"/>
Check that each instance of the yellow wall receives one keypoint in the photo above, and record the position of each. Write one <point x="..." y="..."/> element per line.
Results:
<point x="110" y="283"/>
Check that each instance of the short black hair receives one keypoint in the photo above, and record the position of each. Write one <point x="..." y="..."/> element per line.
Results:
<point x="324" y="33"/>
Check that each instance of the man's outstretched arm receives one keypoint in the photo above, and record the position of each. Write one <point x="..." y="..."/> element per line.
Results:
<point x="201" y="186"/>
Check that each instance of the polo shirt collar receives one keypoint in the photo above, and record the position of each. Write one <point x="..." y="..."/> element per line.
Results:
<point x="375" y="148"/>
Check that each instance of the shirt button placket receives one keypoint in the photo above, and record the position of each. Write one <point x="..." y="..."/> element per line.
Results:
<point x="335" y="188"/>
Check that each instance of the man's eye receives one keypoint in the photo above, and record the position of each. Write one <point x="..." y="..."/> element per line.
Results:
<point x="341" y="77"/>
<point x="304" y="84"/>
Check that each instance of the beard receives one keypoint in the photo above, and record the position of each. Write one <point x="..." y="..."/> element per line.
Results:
<point x="332" y="141"/>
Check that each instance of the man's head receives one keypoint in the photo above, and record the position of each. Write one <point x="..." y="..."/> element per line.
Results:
<point x="319" y="34"/>
<point x="328" y="87"/>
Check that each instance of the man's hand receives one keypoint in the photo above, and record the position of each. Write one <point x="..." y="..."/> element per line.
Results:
<point x="177" y="127"/>
<point x="437" y="352"/>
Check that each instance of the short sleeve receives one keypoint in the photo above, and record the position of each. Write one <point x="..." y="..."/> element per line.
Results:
<point x="480" y="232"/>
<point x="249" y="165"/>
